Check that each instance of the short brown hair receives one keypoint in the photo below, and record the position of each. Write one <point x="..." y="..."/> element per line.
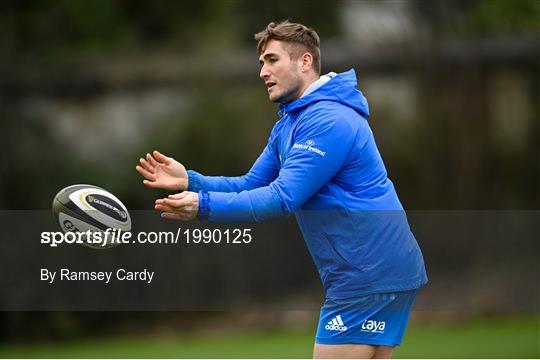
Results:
<point x="292" y="33"/>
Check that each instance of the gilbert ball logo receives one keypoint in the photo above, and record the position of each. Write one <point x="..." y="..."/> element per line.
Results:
<point x="104" y="204"/>
<point x="310" y="142"/>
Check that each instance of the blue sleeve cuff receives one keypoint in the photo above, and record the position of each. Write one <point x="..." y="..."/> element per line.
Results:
<point x="204" y="209"/>
<point x="194" y="181"/>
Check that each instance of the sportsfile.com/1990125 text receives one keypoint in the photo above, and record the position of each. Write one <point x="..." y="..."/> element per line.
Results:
<point x="115" y="236"/>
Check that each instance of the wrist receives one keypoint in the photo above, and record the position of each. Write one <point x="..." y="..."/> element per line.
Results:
<point x="183" y="185"/>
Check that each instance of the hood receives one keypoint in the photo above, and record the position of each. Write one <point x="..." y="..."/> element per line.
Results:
<point x="341" y="88"/>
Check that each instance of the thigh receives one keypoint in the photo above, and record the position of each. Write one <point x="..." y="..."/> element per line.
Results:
<point x="343" y="351"/>
<point x="383" y="352"/>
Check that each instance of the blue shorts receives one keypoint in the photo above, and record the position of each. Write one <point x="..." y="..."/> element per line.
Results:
<point x="375" y="319"/>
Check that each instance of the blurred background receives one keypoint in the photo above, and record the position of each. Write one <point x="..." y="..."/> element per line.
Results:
<point x="87" y="87"/>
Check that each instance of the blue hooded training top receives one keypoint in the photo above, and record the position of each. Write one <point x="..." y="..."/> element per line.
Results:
<point x="322" y="164"/>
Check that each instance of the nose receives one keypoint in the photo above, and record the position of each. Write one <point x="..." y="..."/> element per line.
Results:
<point x="264" y="74"/>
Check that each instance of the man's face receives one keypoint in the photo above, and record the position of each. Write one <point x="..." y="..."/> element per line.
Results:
<point x="280" y="73"/>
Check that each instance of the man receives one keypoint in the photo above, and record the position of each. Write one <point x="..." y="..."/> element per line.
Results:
<point x="322" y="164"/>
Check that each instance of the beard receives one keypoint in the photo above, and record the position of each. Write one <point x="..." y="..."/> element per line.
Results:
<point x="289" y="94"/>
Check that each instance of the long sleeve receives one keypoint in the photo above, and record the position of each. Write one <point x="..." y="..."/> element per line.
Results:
<point x="263" y="171"/>
<point x="320" y="148"/>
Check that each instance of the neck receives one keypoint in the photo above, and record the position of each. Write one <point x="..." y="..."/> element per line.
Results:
<point x="297" y="94"/>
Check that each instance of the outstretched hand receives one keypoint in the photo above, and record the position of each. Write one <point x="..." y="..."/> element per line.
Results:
<point x="163" y="172"/>
<point x="183" y="206"/>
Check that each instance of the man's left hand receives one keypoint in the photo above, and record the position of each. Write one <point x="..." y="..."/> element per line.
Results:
<point x="182" y="206"/>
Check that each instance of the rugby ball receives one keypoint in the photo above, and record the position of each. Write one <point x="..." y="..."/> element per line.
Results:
<point x="79" y="208"/>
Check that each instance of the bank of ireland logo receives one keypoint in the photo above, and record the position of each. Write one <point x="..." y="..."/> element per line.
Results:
<point x="309" y="146"/>
<point x="373" y="326"/>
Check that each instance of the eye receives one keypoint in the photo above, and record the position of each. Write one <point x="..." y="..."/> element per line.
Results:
<point x="272" y="60"/>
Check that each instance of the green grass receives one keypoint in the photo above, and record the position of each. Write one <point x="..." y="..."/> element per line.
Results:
<point x="509" y="338"/>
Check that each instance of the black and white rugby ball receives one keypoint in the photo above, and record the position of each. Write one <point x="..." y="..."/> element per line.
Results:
<point x="79" y="208"/>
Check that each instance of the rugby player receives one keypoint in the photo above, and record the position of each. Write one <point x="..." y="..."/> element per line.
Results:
<point x="322" y="164"/>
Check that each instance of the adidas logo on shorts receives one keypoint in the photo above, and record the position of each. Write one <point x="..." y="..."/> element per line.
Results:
<point x="336" y="324"/>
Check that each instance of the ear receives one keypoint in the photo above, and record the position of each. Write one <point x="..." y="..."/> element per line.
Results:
<point x="306" y="62"/>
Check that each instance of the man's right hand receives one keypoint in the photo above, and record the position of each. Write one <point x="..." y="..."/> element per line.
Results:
<point x="162" y="172"/>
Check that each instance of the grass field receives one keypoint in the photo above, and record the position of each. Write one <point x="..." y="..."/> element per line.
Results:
<point x="510" y="338"/>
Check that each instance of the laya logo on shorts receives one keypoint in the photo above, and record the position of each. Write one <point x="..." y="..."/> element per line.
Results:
<point x="373" y="326"/>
